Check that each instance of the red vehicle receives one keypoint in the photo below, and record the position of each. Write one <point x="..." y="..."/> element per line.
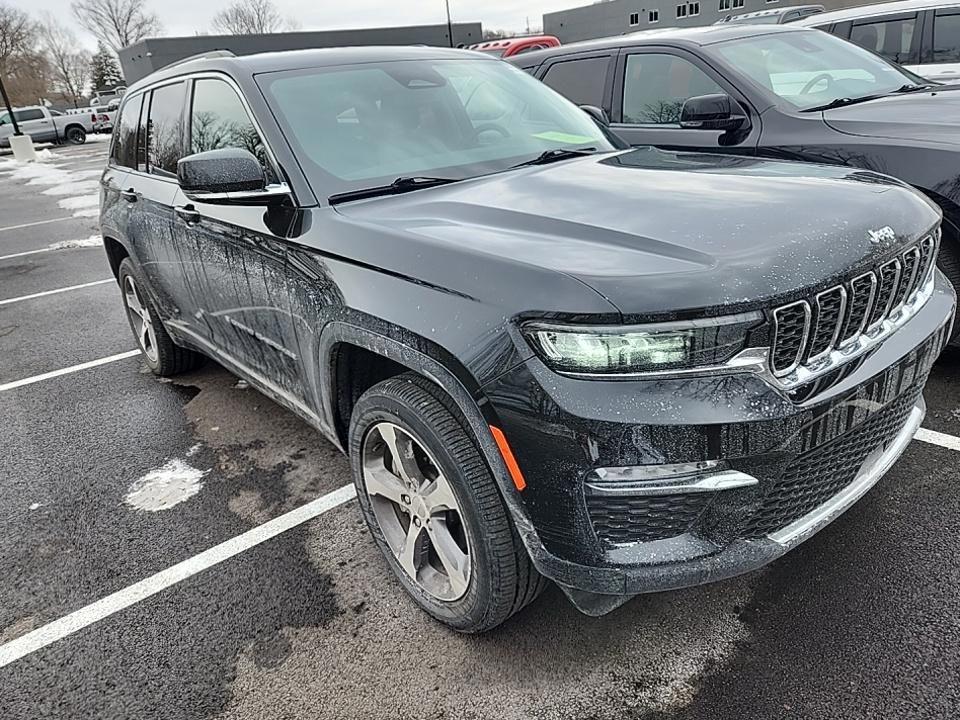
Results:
<point x="509" y="47"/>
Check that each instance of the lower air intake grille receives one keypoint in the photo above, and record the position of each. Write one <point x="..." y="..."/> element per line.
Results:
<point x="620" y="520"/>
<point x="819" y="474"/>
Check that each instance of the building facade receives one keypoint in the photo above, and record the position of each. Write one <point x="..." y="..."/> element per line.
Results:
<point x="142" y="58"/>
<point x="616" y="17"/>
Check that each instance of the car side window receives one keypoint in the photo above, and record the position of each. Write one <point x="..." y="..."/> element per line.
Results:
<point x="219" y="120"/>
<point x="946" y="38"/>
<point x="165" y="129"/>
<point x="892" y="39"/>
<point x="580" y="81"/>
<point x="125" y="145"/>
<point x="25" y="115"/>
<point x="656" y="85"/>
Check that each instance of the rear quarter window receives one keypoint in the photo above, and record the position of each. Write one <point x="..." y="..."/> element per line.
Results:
<point x="581" y="80"/>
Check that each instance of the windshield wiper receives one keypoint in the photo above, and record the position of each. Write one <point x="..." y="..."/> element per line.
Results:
<point x="549" y="156"/>
<point x="910" y="87"/>
<point x="400" y="185"/>
<point x="841" y="102"/>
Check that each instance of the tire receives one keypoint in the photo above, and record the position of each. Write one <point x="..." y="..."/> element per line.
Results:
<point x="75" y="135"/>
<point x="502" y="579"/>
<point x="949" y="263"/>
<point x="162" y="356"/>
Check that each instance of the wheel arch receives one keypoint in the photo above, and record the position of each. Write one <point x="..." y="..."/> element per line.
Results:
<point x="440" y="367"/>
<point x="116" y="252"/>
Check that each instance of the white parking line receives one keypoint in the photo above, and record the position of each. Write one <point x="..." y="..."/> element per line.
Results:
<point x="938" y="438"/>
<point x="111" y="604"/>
<point x="26" y="252"/>
<point x="38" y="222"/>
<point x="66" y="371"/>
<point x="54" y="292"/>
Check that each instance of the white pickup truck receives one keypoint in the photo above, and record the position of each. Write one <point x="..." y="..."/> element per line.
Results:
<point x="44" y="125"/>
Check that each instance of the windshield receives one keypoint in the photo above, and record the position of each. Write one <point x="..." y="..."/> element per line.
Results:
<point x="358" y="126"/>
<point x="809" y="69"/>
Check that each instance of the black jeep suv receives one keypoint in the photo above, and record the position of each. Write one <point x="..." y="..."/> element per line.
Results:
<point x="547" y="358"/>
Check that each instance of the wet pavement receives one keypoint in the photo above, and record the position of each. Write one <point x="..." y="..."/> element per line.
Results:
<point x="861" y="621"/>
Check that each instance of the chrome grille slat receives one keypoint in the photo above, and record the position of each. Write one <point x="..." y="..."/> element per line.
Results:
<point x="862" y="288"/>
<point x="791" y="329"/>
<point x="810" y="336"/>
<point x="888" y="278"/>
<point x="831" y="306"/>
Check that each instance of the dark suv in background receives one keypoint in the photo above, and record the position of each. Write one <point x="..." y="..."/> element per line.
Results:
<point x="771" y="91"/>
<point x="547" y="358"/>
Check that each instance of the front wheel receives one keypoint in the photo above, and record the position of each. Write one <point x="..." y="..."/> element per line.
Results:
<point x="162" y="356"/>
<point x="75" y="135"/>
<point x="434" y="509"/>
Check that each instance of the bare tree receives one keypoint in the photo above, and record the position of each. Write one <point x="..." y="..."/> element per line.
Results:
<point x="69" y="63"/>
<point x="117" y="23"/>
<point x="250" y="17"/>
<point x="23" y="68"/>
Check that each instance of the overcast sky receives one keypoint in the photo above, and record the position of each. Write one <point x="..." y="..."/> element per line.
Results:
<point x="186" y="17"/>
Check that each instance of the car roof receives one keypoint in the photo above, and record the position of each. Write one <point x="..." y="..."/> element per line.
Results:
<point x="689" y="36"/>
<point x="224" y="61"/>
<point x="774" y="11"/>
<point x="511" y="41"/>
<point x="887" y="8"/>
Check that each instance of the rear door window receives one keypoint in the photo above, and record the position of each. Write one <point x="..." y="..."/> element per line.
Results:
<point x="165" y="129"/>
<point x="125" y="145"/>
<point x="892" y="38"/>
<point x="946" y="37"/>
<point x="26" y="115"/>
<point x="580" y="81"/>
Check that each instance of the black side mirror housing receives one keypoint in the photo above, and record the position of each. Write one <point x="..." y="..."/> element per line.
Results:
<point x="599" y="115"/>
<point x="712" y="112"/>
<point x="229" y="174"/>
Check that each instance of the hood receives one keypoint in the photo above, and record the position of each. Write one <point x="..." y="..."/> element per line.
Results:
<point x="922" y="116"/>
<point x="655" y="232"/>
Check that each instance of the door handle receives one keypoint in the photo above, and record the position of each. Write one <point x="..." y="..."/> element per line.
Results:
<point x="130" y="195"/>
<point x="189" y="213"/>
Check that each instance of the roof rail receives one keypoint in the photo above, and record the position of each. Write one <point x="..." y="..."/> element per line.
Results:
<point x="208" y="55"/>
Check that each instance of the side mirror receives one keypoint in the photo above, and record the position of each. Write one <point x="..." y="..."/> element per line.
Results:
<point x="598" y="114"/>
<point x="229" y="175"/>
<point x="712" y="112"/>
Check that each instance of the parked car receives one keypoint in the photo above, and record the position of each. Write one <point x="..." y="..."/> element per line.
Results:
<point x="921" y="35"/>
<point x="778" y="91"/>
<point x="103" y="118"/>
<point x="44" y="125"/>
<point x="508" y="47"/>
<point x="547" y="358"/>
<point x="775" y="16"/>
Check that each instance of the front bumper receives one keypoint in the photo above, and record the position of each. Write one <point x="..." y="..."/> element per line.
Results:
<point x="811" y="461"/>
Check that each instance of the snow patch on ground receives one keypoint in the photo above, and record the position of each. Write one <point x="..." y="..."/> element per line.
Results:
<point x="87" y="212"/>
<point x="92" y="241"/>
<point x="80" y="202"/>
<point x="79" y="187"/>
<point x="165" y="487"/>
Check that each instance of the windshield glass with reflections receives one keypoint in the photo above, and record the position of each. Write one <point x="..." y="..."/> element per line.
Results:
<point x="810" y="69"/>
<point x="359" y="126"/>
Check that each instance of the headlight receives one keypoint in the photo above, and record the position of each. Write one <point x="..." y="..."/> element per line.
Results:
<point x="641" y="348"/>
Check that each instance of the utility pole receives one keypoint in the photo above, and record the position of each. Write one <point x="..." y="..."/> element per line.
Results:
<point x="449" y="24"/>
<point x="6" y="102"/>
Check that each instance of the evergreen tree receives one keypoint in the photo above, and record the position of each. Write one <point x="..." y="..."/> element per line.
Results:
<point x="104" y="69"/>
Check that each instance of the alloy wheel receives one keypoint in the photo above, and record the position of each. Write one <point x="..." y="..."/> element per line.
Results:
<point x="140" y="319"/>
<point x="417" y="511"/>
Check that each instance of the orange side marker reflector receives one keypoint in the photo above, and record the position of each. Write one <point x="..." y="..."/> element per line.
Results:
<point x="508" y="458"/>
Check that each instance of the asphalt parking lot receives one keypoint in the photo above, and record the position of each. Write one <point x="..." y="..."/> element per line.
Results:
<point x="109" y="477"/>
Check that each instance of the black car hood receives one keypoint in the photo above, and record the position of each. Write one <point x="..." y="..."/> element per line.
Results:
<point x="655" y="231"/>
<point x="920" y="116"/>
